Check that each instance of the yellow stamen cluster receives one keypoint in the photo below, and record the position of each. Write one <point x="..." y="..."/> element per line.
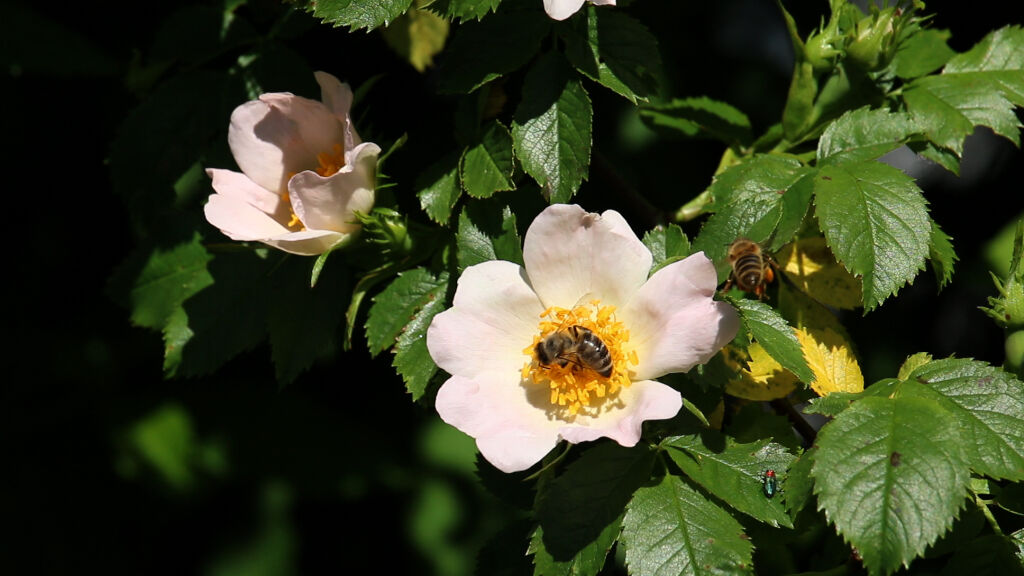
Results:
<point x="328" y="164"/>
<point x="331" y="162"/>
<point x="576" y="387"/>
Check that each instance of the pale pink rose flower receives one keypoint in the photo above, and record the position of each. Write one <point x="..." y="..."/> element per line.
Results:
<point x="305" y="171"/>
<point x="562" y="9"/>
<point x="581" y="269"/>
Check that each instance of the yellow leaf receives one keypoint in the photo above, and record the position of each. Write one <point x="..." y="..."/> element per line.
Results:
<point x="762" y="379"/>
<point x="810" y="265"/>
<point x="833" y="363"/>
<point x="417" y="36"/>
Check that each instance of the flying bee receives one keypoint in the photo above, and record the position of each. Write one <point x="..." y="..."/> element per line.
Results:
<point x="575" y="345"/>
<point x="752" y="267"/>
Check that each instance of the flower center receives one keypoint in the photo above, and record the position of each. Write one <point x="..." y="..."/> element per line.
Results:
<point x="581" y="355"/>
<point x="331" y="162"/>
<point x="328" y="164"/>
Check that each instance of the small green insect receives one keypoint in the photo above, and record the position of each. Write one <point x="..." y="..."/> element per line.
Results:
<point x="769" y="484"/>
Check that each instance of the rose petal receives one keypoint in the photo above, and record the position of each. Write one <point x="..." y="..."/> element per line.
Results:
<point x="307" y="242"/>
<point x="562" y="9"/>
<point x="327" y="203"/>
<point x="316" y="127"/>
<point x="510" y="433"/>
<point x="573" y="256"/>
<point x="337" y="96"/>
<point x="239" y="220"/>
<point x="674" y="324"/>
<point x="494" y="317"/>
<point x="643" y="400"/>
<point x="260" y="139"/>
<point x="239" y="186"/>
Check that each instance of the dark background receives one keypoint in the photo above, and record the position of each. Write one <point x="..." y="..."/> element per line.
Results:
<point x="110" y="466"/>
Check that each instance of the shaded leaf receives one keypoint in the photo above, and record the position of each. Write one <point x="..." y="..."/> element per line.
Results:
<point x="438" y="188"/>
<point x="810" y="265"/>
<point x="699" y="117"/>
<point x="586" y="562"/>
<point x="577" y="507"/>
<point x="486" y="166"/>
<point x="482" y="51"/>
<point x="485" y="233"/>
<point x="615" y="50"/>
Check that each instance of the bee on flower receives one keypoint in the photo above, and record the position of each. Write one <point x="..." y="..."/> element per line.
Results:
<point x="568" y="346"/>
<point x="304" y="172"/>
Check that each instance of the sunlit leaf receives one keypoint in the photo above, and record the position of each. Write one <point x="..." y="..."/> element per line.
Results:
<point x="832" y="361"/>
<point x="670" y="528"/>
<point x="552" y="128"/>
<point x="891" y="474"/>
<point x="980" y="87"/>
<point x="486" y="166"/>
<point x="359" y="14"/>
<point x="734" y="472"/>
<point x="876" y="222"/>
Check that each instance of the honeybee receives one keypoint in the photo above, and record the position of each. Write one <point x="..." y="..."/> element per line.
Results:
<point x="752" y="267"/>
<point x="576" y="345"/>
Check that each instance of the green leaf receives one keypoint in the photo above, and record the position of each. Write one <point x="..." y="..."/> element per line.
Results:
<point x="226" y="318"/>
<point x="412" y="359"/>
<point x="775" y="335"/>
<point x="991" y="555"/>
<point x="552" y="128"/>
<point x="586" y="562"/>
<point x="303" y="321"/>
<point x="438" y="188"/>
<point x="485" y="233"/>
<point x="359" y="14"/>
<point x="670" y="528"/>
<point x="703" y="117"/>
<point x="667" y="244"/>
<point x="578" y="506"/>
<point x="392" y="309"/>
<point x="463" y="9"/>
<point x="798" y="486"/>
<point x="891" y="475"/>
<point x="980" y="87"/>
<point x="922" y="53"/>
<point x="832" y="404"/>
<point x="487" y="165"/>
<point x="733" y="471"/>
<point x="614" y="50"/>
<point x="941" y="255"/>
<point x="167" y="279"/>
<point x="763" y="198"/>
<point x="876" y="223"/>
<point x="862" y="135"/>
<point x="752" y="423"/>
<point x="988" y="406"/>
<point x="482" y="51"/>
